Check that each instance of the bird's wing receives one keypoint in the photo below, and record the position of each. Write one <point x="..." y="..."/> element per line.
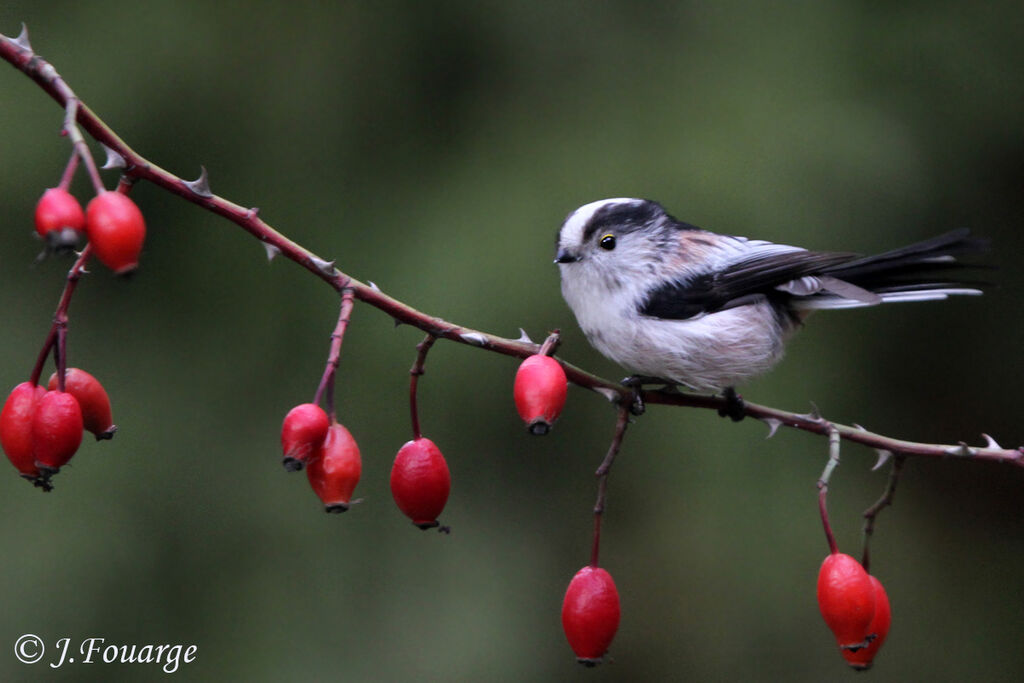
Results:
<point x="757" y="271"/>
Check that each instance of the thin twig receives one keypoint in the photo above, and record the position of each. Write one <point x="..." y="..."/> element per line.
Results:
<point x="415" y="372"/>
<point x="826" y="475"/>
<point x="69" y="172"/>
<point x="602" y="474"/>
<point x="886" y="500"/>
<point x="55" y="338"/>
<point x="334" y="355"/>
<point x="551" y="344"/>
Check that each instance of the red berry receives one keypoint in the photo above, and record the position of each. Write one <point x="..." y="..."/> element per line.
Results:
<point x="420" y="482"/>
<point x="334" y="473"/>
<point x="16" y="427"/>
<point x="302" y="434"/>
<point x="846" y="598"/>
<point x="590" y="614"/>
<point x="59" y="218"/>
<point x="539" y="392"/>
<point x="116" y="230"/>
<point x="862" y="658"/>
<point x="56" y="430"/>
<point x="92" y="399"/>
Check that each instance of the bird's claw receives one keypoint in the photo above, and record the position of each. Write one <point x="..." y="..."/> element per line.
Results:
<point x="735" y="408"/>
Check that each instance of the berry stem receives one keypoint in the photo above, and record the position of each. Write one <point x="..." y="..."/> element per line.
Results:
<point x="334" y="355"/>
<point x="886" y="500"/>
<point x="830" y="466"/>
<point x="69" y="172"/>
<point x="415" y="372"/>
<point x="550" y="344"/>
<point x="77" y="139"/>
<point x="56" y="338"/>
<point x="602" y="474"/>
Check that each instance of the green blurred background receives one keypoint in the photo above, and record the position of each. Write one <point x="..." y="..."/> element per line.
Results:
<point x="434" y="148"/>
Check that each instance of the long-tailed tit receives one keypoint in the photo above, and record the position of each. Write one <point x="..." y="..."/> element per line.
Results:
<point x="670" y="301"/>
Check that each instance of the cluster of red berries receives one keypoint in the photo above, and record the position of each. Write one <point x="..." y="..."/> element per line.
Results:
<point x="112" y="223"/>
<point x="326" y="450"/>
<point x="41" y="428"/>
<point x="420" y="480"/>
<point x="855" y="607"/>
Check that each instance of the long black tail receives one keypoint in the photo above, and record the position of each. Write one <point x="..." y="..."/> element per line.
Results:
<point x="923" y="271"/>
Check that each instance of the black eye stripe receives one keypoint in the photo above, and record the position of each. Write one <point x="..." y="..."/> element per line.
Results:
<point x="623" y="217"/>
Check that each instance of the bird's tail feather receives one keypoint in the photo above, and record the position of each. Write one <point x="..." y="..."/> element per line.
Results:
<point x="917" y="272"/>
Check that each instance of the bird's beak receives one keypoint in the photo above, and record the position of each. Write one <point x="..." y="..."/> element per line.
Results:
<point x="566" y="256"/>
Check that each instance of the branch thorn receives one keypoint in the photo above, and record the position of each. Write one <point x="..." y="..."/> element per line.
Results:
<point x="22" y="39"/>
<point x="252" y="213"/>
<point x="961" y="450"/>
<point x="114" y="160"/>
<point x="473" y="338"/>
<point x="523" y="337"/>
<point x="325" y="267"/>
<point x="990" y="442"/>
<point x="883" y="457"/>
<point x="814" y="415"/>
<point x="610" y="394"/>
<point x="272" y="251"/>
<point x="201" y="185"/>
<point x="773" y="425"/>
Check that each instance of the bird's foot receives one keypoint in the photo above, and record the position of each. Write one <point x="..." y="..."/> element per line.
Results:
<point x="636" y="382"/>
<point x="734" y="408"/>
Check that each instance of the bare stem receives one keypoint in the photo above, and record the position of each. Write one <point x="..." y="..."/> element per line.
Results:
<point x="551" y="344"/>
<point x="415" y="372"/>
<point x="602" y="474"/>
<point x="826" y="475"/>
<point x="334" y="355"/>
<point x="56" y="338"/>
<point x="69" y="172"/>
<point x="886" y="500"/>
<point x="75" y="135"/>
<point x="140" y="168"/>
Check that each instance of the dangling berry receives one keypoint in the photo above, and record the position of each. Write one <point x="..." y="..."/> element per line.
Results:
<point x="539" y="392"/>
<point x="590" y="614"/>
<point x="59" y="219"/>
<point x="334" y="473"/>
<point x="846" y="599"/>
<point x="116" y="230"/>
<point x="303" y="432"/>
<point x="92" y="399"/>
<point x="56" y="431"/>
<point x="420" y="482"/>
<point x="16" y="427"/>
<point x="877" y="630"/>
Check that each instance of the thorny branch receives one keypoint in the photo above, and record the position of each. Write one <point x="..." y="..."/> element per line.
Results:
<point x="18" y="52"/>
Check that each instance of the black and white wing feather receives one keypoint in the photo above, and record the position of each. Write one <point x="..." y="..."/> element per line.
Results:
<point x="805" y="280"/>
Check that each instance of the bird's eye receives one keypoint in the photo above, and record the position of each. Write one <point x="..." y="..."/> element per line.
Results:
<point x="608" y="242"/>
